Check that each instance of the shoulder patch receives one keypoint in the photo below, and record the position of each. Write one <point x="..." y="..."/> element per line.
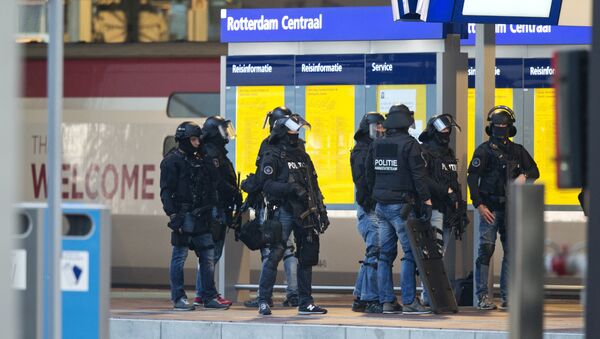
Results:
<point x="216" y="162"/>
<point x="268" y="170"/>
<point x="475" y="162"/>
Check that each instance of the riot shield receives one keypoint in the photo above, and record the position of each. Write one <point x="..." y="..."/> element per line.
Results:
<point x="428" y="257"/>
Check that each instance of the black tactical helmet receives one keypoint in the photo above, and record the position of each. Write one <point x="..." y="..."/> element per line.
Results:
<point x="276" y="114"/>
<point x="399" y="116"/>
<point x="436" y="125"/>
<point x="501" y="115"/>
<point x="216" y="127"/>
<point x="187" y="130"/>
<point x="368" y="125"/>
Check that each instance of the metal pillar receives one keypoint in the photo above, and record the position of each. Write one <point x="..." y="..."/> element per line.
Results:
<point x="592" y="308"/>
<point x="452" y="91"/>
<point x="234" y="266"/>
<point x="54" y="223"/>
<point x="526" y="258"/>
<point x="10" y="319"/>
<point x="485" y="85"/>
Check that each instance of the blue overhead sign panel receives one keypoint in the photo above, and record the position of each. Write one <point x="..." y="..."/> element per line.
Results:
<point x="260" y="70"/>
<point x="509" y="73"/>
<point x="538" y="73"/>
<point x="400" y="68"/>
<point x="330" y="69"/>
<point x="321" y="24"/>
<point x="513" y="34"/>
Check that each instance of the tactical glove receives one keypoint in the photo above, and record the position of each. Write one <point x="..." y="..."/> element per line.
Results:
<point x="324" y="221"/>
<point x="176" y="221"/>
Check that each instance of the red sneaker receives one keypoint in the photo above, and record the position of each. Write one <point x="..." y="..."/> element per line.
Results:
<point x="223" y="301"/>
<point x="198" y="301"/>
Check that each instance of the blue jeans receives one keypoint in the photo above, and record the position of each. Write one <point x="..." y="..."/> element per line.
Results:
<point x="204" y="248"/>
<point x="218" y="252"/>
<point x="276" y="253"/>
<point x="392" y="228"/>
<point x="178" y="257"/>
<point x="487" y="243"/>
<point x="366" y="281"/>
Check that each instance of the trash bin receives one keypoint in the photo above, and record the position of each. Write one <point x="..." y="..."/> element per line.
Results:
<point x="84" y="269"/>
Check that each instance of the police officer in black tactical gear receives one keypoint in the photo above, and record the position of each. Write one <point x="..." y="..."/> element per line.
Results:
<point x="396" y="171"/>
<point x="365" y="291"/>
<point x="290" y="185"/>
<point x="495" y="164"/>
<point x="216" y="133"/>
<point x="188" y="197"/>
<point x="449" y="210"/>
<point x="442" y="179"/>
<point x="290" y="262"/>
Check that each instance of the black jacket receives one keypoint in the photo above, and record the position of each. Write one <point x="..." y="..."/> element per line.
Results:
<point x="442" y="173"/>
<point x="358" y="157"/>
<point x="493" y="164"/>
<point x="186" y="183"/>
<point x="396" y="169"/>
<point x="228" y="192"/>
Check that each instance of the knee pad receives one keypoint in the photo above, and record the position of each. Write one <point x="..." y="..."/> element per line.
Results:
<point x="388" y="257"/>
<point x="485" y="253"/>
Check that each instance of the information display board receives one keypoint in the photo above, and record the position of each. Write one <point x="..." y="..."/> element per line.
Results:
<point x="545" y="148"/>
<point x="252" y="105"/>
<point x="330" y="110"/>
<point x="413" y="96"/>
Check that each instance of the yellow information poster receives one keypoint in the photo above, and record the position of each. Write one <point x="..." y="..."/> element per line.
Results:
<point x="252" y="105"/>
<point x="503" y="96"/>
<point x="413" y="96"/>
<point x="330" y="111"/>
<point x="544" y="146"/>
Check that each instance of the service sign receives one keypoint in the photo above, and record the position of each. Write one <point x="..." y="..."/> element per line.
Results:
<point x="409" y="68"/>
<point x="321" y="24"/>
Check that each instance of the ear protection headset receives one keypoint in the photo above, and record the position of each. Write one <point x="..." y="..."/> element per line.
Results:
<point x="502" y="110"/>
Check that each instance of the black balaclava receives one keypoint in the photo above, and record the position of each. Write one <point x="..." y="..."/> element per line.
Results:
<point x="186" y="146"/>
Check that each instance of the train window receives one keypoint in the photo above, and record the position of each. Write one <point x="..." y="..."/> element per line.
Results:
<point x="168" y="144"/>
<point x="193" y="105"/>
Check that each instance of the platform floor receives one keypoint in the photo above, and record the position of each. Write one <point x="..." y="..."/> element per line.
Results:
<point x="562" y="318"/>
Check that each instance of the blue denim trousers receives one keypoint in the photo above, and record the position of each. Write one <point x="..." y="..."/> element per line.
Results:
<point x="487" y="241"/>
<point x="204" y="248"/>
<point x="366" y="282"/>
<point x="392" y="227"/>
<point x="218" y="252"/>
<point x="268" y="274"/>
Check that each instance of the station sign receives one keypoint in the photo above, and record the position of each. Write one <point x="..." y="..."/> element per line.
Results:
<point x="377" y="23"/>
<point x="260" y="70"/>
<point x="409" y="68"/>
<point x="321" y="24"/>
<point x="538" y="73"/>
<point x="508" y="72"/>
<point x="330" y="69"/>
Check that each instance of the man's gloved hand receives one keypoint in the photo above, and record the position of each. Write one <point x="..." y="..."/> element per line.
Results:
<point x="297" y="191"/>
<point x="176" y="222"/>
<point x="324" y="221"/>
<point x="426" y="211"/>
